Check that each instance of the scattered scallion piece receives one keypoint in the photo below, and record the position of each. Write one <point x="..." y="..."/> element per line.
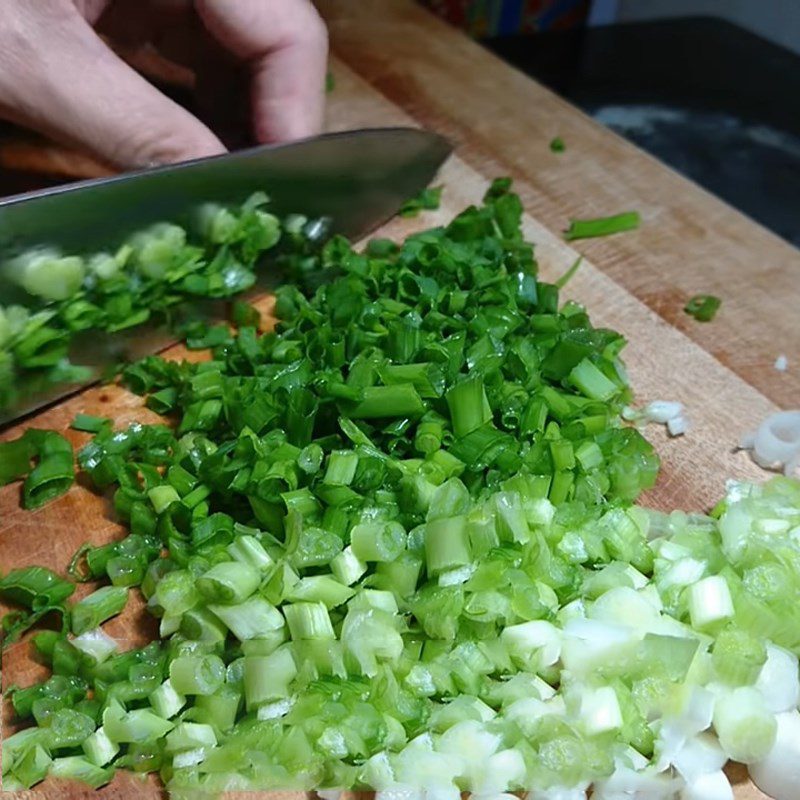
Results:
<point x="97" y="607"/>
<point x="244" y="315"/>
<point x="602" y="226"/>
<point x="427" y="200"/>
<point x="34" y="587"/>
<point x="15" y="459"/>
<point x="703" y="307"/>
<point x="50" y="477"/>
<point x="89" y="423"/>
<point x="557" y="145"/>
<point x="567" y="276"/>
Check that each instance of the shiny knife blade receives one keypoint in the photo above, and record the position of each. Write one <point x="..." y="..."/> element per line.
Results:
<point x="356" y="179"/>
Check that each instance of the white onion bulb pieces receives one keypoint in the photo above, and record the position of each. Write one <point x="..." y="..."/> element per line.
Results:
<point x="776" y="442"/>
<point x="670" y="413"/>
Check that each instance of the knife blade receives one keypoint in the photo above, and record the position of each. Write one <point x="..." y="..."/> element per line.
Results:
<point x="356" y="179"/>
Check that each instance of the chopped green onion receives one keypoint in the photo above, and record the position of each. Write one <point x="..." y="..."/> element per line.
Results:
<point x="567" y="276"/>
<point x="197" y="674"/>
<point x="47" y="274"/>
<point x="391" y="542"/>
<point x="202" y="625"/>
<point x="745" y="728"/>
<point x="308" y="621"/>
<point x="268" y="677"/>
<point x="348" y="567"/>
<point x="89" y="423"/>
<point x="248" y="550"/>
<point x="162" y="496"/>
<point x="469" y="407"/>
<point x="97" y="607"/>
<point x="251" y="619"/>
<point x="341" y="467"/>
<point x="400" y="400"/>
<point x="592" y="382"/>
<point x="99" y="748"/>
<point x="189" y="735"/>
<point x="96" y="644"/>
<point x="137" y="725"/>
<point x="427" y="200"/>
<point x="710" y="601"/>
<point x="32" y="767"/>
<point x="15" y="459"/>
<point x="51" y="477"/>
<point x="66" y="727"/>
<point x="321" y="588"/>
<point x="219" y="709"/>
<point x="378" y="541"/>
<point x="166" y="702"/>
<point x="446" y="544"/>
<point x="738" y="657"/>
<point x="35" y="587"/>
<point x="703" y="307"/>
<point x="229" y="582"/>
<point x="81" y="769"/>
<point x="244" y="315"/>
<point x="602" y="226"/>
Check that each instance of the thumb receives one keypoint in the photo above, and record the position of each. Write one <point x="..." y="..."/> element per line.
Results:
<point x="76" y="89"/>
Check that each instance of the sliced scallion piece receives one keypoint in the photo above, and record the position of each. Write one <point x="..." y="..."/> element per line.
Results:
<point x="602" y="226"/>
<point x="703" y="307"/>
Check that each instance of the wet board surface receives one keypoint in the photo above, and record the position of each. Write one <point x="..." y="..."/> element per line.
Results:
<point x="395" y="64"/>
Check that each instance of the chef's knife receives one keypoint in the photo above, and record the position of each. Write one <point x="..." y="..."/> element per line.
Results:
<point x="355" y="179"/>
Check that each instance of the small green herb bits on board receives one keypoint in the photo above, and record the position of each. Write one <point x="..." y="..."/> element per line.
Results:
<point x="602" y="226"/>
<point x="427" y="200"/>
<point x="43" y="460"/>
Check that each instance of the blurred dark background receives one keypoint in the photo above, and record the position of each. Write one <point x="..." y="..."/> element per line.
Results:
<point x="711" y="87"/>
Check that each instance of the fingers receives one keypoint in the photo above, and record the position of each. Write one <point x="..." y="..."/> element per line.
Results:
<point x="76" y="89"/>
<point x="285" y="44"/>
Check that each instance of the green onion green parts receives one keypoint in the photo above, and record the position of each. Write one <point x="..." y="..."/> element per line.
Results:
<point x="703" y="307"/>
<point x="53" y="472"/>
<point x="392" y="545"/>
<point x="427" y="200"/>
<point x="602" y="226"/>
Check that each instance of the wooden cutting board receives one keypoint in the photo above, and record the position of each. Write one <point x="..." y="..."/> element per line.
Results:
<point x="394" y="64"/>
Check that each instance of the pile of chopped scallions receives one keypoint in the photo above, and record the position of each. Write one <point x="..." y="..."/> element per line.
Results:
<point x="392" y="545"/>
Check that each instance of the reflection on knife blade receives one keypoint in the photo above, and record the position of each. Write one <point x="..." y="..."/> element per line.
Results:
<point x="84" y="314"/>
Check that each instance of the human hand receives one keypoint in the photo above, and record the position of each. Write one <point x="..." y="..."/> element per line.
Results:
<point x="59" y="77"/>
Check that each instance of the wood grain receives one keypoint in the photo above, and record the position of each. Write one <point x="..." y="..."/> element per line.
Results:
<point x="396" y="65"/>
